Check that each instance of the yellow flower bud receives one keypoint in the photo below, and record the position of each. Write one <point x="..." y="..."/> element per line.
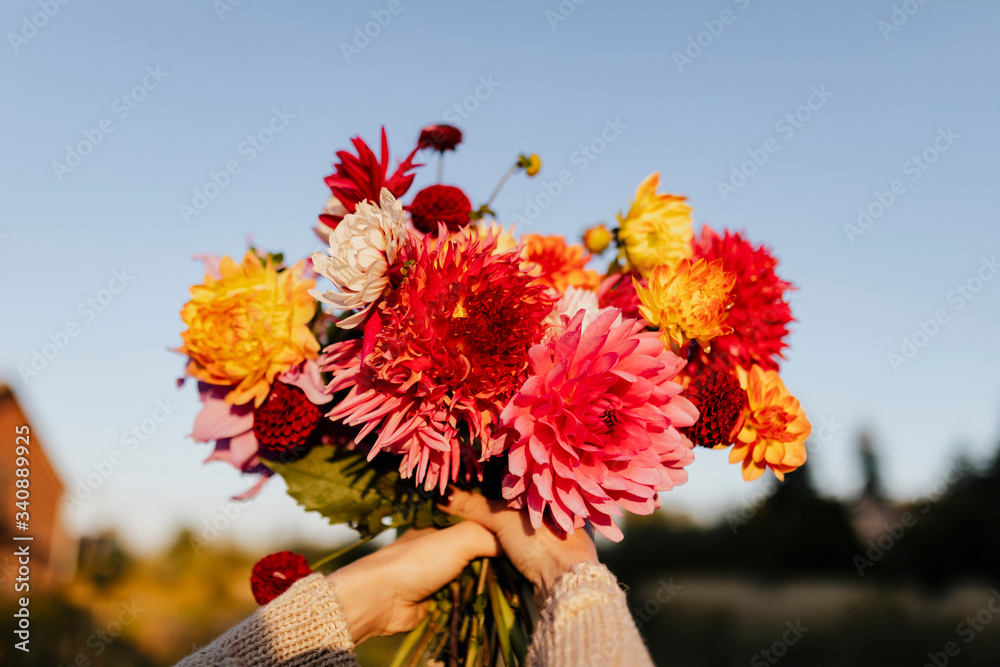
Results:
<point x="597" y="239"/>
<point x="531" y="164"/>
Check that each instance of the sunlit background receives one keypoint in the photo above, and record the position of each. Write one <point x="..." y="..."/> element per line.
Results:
<point x="857" y="139"/>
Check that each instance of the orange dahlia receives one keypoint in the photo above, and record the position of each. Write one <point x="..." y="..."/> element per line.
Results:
<point x="248" y="326"/>
<point x="775" y="427"/>
<point x="556" y="264"/>
<point x="687" y="301"/>
<point x="760" y="315"/>
<point x="656" y="230"/>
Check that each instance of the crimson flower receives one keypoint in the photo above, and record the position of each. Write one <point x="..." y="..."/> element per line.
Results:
<point x="440" y="137"/>
<point x="720" y="401"/>
<point x="440" y="203"/>
<point x="284" y="421"/>
<point x="275" y="574"/>
<point x="759" y="315"/>
<point x="362" y="177"/>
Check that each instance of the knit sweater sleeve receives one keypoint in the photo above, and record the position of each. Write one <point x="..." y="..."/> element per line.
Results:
<point x="303" y="627"/>
<point x="586" y="622"/>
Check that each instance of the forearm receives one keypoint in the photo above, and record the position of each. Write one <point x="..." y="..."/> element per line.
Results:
<point x="303" y="627"/>
<point x="586" y="616"/>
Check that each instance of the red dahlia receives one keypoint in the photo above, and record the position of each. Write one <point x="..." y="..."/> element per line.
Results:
<point x="720" y="400"/>
<point x="759" y="315"/>
<point x="440" y="137"/>
<point x="618" y="291"/>
<point x="451" y="350"/>
<point x="440" y="203"/>
<point x="362" y="177"/>
<point x="285" y="420"/>
<point x="275" y="574"/>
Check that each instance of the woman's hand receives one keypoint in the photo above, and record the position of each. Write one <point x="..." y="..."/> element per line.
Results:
<point x="386" y="591"/>
<point x="541" y="555"/>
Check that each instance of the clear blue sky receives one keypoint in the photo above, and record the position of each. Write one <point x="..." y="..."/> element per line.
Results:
<point x="887" y="94"/>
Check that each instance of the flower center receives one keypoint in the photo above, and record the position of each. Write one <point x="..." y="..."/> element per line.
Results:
<point x="771" y="422"/>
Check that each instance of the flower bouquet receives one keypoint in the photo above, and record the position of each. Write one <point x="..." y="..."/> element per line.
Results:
<point x="454" y="352"/>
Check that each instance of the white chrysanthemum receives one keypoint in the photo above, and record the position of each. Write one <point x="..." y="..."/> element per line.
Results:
<point x="362" y="248"/>
<point x="573" y="301"/>
<point x="335" y="208"/>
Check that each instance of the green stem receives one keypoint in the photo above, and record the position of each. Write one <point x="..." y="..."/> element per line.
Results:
<point x="503" y="180"/>
<point x="411" y="640"/>
<point x="337" y="554"/>
<point x="502" y="620"/>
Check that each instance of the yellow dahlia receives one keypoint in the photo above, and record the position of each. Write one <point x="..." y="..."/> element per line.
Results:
<point x="248" y="326"/>
<point x="775" y="427"/>
<point x="656" y="230"/>
<point x="687" y="301"/>
<point x="504" y="236"/>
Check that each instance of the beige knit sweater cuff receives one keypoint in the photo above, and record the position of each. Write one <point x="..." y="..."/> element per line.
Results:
<point x="304" y="627"/>
<point x="586" y="621"/>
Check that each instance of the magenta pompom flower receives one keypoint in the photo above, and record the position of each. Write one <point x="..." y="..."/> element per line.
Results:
<point x="594" y="429"/>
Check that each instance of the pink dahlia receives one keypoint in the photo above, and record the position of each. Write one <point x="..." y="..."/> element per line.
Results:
<point x="450" y="349"/>
<point x="759" y="315"/>
<point x="594" y="429"/>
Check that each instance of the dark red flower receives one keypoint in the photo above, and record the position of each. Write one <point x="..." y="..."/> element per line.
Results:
<point x="759" y="315"/>
<point x="440" y="203"/>
<point x="363" y="176"/>
<point x="720" y="400"/>
<point x="275" y="574"/>
<point x="284" y="421"/>
<point x="440" y="137"/>
<point x="618" y="291"/>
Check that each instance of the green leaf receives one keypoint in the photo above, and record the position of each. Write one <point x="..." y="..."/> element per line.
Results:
<point x="346" y="488"/>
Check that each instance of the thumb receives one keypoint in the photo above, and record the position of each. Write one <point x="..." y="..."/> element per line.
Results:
<point x="474" y="507"/>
